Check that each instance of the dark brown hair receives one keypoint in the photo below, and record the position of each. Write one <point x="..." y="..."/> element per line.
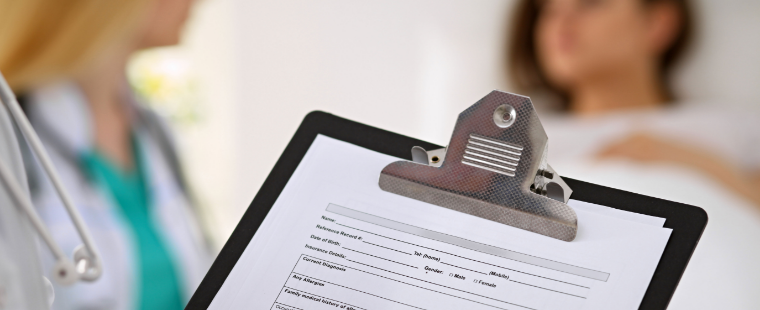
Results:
<point x="527" y="75"/>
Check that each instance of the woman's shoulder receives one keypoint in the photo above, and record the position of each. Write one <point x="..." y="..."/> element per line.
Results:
<point x="733" y="132"/>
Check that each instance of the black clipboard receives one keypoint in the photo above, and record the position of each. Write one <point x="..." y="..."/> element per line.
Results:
<point x="688" y="222"/>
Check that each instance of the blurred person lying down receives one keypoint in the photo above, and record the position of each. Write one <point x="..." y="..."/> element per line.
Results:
<point x="605" y="65"/>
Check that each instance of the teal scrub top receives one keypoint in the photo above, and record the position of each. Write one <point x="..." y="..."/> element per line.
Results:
<point x="159" y="285"/>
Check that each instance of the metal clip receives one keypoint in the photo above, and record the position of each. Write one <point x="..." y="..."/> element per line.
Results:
<point x="495" y="167"/>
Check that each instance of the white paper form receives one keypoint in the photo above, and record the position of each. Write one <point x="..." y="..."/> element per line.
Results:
<point x="335" y="240"/>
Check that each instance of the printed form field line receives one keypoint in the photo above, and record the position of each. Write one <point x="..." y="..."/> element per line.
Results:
<point x="279" y="303"/>
<point x="462" y="257"/>
<point x="393" y="261"/>
<point x="468" y="244"/>
<point x="543" y="288"/>
<point x="353" y="289"/>
<point x="323" y="297"/>
<point x="385" y="247"/>
<point x="464" y="268"/>
<point x="410" y="284"/>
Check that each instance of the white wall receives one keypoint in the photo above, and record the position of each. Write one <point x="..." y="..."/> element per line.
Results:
<point x="407" y="66"/>
<point x="724" y="68"/>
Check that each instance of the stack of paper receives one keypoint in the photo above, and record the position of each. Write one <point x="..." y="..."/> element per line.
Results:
<point x="335" y="240"/>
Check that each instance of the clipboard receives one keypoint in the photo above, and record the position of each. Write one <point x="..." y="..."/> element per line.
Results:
<point x="687" y="222"/>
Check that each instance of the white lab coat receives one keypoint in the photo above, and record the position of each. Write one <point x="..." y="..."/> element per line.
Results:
<point x="21" y="283"/>
<point x="60" y="114"/>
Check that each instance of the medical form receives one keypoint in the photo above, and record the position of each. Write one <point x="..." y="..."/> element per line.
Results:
<point x="335" y="240"/>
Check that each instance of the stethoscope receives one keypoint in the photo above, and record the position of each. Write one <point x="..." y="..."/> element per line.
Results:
<point x="85" y="264"/>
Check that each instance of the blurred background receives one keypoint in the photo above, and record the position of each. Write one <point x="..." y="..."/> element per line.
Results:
<point x="247" y="71"/>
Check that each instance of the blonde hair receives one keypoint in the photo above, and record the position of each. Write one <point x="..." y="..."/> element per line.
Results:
<point x="41" y="40"/>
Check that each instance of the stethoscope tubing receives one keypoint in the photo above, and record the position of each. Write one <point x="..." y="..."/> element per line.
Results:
<point x="86" y="264"/>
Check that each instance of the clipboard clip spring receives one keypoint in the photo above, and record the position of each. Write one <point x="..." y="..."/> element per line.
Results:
<point x="495" y="167"/>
